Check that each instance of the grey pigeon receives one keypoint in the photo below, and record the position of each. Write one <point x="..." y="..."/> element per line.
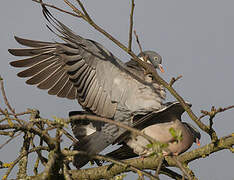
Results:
<point x="84" y="70"/>
<point x="157" y="126"/>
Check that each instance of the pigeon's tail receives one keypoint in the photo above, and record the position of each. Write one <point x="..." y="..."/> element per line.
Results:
<point x="92" y="144"/>
<point x="91" y="139"/>
<point x="124" y="152"/>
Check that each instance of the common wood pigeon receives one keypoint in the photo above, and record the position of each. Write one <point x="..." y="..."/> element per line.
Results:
<point x="83" y="69"/>
<point x="157" y="125"/>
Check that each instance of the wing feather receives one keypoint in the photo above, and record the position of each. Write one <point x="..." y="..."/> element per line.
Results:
<point x="78" y="68"/>
<point x="52" y="79"/>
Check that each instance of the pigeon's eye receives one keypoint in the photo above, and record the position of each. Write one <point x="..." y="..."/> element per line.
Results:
<point x="155" y="58"/>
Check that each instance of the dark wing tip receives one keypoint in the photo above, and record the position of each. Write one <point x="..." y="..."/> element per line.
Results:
<point x="11" y="51"/>
<point x="15" y="63"/>
<point x="18" y="39"/>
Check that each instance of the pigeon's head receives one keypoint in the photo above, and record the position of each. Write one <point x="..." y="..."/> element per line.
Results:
<point x="152" y="57"/>
<point x="196" y="134"/>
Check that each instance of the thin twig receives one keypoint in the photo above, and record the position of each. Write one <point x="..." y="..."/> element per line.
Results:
<point x="66" y="173"/>
<point x="39" y="155"/>
<point x="173" y="80"/>
<point x="5" y="98"/>
<point x="69" y="136"/>
<point x="59" y="9"/>
<point x="21" y="156"/>
<point x="2" y="145"/>
<point x="171" y="174"/>
<point x="159" y="166"/>
<point x="84" y="10"/>
<point x="184" y="169"/>
<point x="75" y="10"/>
<point x="45" y="136"/>
<point x="131" y="27"/>
<point x="7" y="102"/>
<point x="212" y="113"/>
<point x="138" y="42"/>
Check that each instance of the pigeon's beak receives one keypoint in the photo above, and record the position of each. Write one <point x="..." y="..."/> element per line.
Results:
<point x="161" y="68"/>
<point x="198" y="142"/>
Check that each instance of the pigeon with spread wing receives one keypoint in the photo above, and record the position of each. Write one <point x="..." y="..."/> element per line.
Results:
<point x="84" y="70"/>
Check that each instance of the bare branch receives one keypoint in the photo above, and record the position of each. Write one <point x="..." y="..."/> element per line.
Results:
<point x="131" y="27"/>
<point x="21" y="156"/>
<point x="67" y="176"/>
<point x="9" y="140"/>
<point x="159" y="166"/>
<point x="212" y="114"/>
<point x="101" y="157"/>
<point x="173" y="80"/>
<point x="182" y="168"/>
<point x="75" y="9"/>
<point x="171" y="174"/>
<point x="26" y="128"/>
<point x="54" y="7"/>
<point x="138" y="42"/>
<point x="23" y="162"/>
<point x="5" y="98"/>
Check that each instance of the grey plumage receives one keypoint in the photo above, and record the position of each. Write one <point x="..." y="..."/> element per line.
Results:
<point x="84" y="70"/>
<point x="157" y="125"/>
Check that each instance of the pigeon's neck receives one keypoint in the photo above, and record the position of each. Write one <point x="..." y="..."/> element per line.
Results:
<point x="134" y="65"/>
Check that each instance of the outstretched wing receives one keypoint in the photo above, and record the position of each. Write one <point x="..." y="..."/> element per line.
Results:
<point x="78" y="69"/>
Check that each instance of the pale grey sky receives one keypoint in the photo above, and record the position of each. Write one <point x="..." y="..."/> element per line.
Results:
<point x="195" y="39"/>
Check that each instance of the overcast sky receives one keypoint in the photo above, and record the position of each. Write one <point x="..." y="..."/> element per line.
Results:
<point x="195" y="39"/>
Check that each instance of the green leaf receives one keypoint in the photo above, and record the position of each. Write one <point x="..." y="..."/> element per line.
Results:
<point x="149" y="146"/>
<point x="173" y="132"/>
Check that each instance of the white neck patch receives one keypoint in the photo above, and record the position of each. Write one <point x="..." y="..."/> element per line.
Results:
<point x="141" y="58"/>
